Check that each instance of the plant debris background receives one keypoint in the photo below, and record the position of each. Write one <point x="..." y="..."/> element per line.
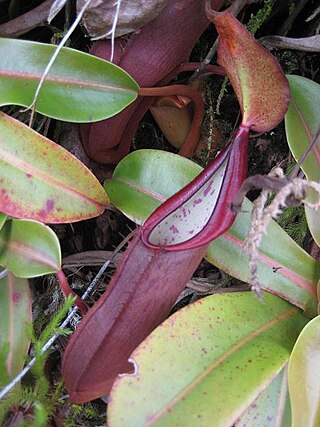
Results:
<point x="86" y="245"/>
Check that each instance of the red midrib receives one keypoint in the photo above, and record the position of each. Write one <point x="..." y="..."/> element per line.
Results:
<point x="302" y="282"/>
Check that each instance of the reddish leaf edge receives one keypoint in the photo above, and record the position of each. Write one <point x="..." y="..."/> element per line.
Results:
<point x="259" y="117"/>
<point x="222" y="217"/>
<point x="12" y="207"/>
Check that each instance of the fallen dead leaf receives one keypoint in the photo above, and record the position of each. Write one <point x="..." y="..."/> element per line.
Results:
<point x="100" y="14"/>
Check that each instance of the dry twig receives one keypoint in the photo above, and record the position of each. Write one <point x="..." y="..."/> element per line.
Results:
<point x="293" y="192"/>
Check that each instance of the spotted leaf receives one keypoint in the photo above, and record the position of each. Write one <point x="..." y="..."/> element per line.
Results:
<point x="42" y="181"/>
<point x="257" y="79"/>
<point x="200" y="212"/>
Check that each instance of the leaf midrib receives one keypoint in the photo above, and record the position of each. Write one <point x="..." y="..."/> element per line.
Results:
<point x="25" y="167"/>
<point x="245" y="340"/>
<point x="307" y="284"/>
<point x="308" y="132"/>
<point x="31" y="253"/>
<point x="84" y="84"/>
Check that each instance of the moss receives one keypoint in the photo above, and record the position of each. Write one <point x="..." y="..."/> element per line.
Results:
<point x="291" y="6"/>
<point x="289" y="61"/>
<point x="261" y="16"/>
<point x="36" y="397"/>
<point x="293" y="221"/>
<point x="88" y="414"/>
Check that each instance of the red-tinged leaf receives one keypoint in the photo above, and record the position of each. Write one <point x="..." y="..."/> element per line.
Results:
<point x="200" y="212"/>
<point x="258" y="81"/>
<point x="29" y="248"/>
<point x="15" y="318"/>
<point x="42" y="181"/>
<point x="284" y="269"/>
<point x="207" y="363"/>
<point x="139" y="298"/>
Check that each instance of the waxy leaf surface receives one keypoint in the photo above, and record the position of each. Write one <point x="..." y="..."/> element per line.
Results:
<point x="42" y="181"/>
<point x="258" y="81"/>
<point x="304" y="377"/>
<point x="302" y="122"/>
<point x="15" y="318"/>
<point x="207" y="363"/>
<point x="284" y="268"/>
<point x="29" y="248"/>
<point x="271" y="408"/>
<point x="79" y="88"/>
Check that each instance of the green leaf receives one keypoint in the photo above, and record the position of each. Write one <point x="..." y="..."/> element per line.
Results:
<point x="304" y="377"/>
<point x="284" y="268"/>
<point x="137" y="190"/>
<point x="302" y="122"/>
<point x="271" y="408"/>
<point x="207" y="363"/>
<point x="29" y="248"/>
<point x="3" y="219"/>
<point x="15" y="318"/>
<point x="79" y="87"/>
<point x="42" y="181"/>
<point x="313" y="220"/>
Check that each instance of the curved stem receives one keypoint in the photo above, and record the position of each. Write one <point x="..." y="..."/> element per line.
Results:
<point x="206" y="68"/>
<point x="196" y="67"/>
<point x="234" y="9"/>
<point x="67" y="291"/>
<point x="114" y="155"/>
<point x="192" y="139"/>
